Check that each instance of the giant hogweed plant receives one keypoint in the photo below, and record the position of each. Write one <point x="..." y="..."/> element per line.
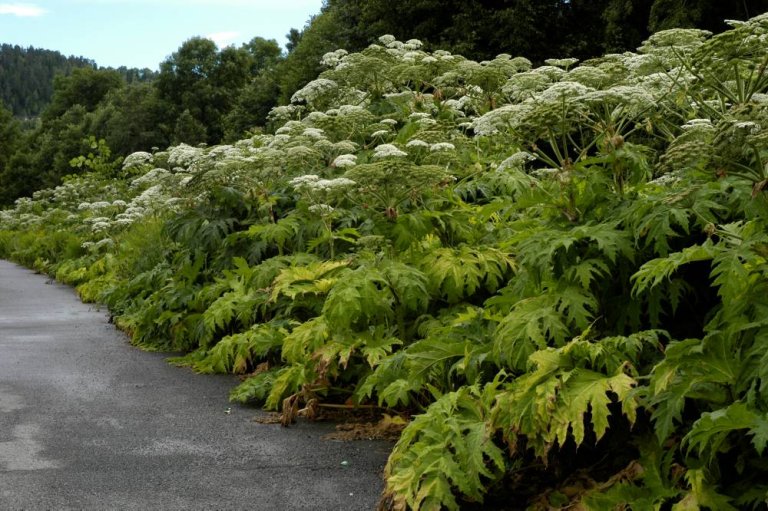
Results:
<point x="559" y="271"/>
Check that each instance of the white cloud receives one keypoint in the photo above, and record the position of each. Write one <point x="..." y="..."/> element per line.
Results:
<point x="22" y="10"/>
<point x="223" y="38"/>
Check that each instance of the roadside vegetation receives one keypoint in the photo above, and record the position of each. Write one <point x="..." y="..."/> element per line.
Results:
<point x="560" y="271"/>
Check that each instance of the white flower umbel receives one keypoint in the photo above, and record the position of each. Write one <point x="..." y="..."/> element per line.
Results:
<point x="291" y="128"/>
<point x="333" y="58"/>
<point x="417" y="144"/>
<point x="329" y="185"/>
<point x="314" y="133"/>
<point x="106" y="242"/>
<point x="152" y="177"/>
<point x="315" y="117"/>
<point x="589" y="76"/>
<point x="183" y="155"/>
<point x="752" y="127"/>
<point x="562" y="63"/>
<point x="321" y="209"/>
<point x="315" y="90"/>
<point x="426" y="122"/>
<point x="666" y="180"/>
<point x="388" y="151"/>
<point x="696" y="124"/>
<point x="442" y="147"/>
<point x="516" y="160"/>
<point x="345" y="160"/>
<point x="95" y="206"/>
<point x="637" y="99"/>
<point x="305" y="181"/>
<point x="413" y="44"/>
<point x="501" y="118"/>
<point x="283" y="113"/>
<point x="411" y="56"/>
<point x="560" y="90"/>
<point x="345" y="147"/>
<point x="136" y="159"/>
<point x="387" y="39"/>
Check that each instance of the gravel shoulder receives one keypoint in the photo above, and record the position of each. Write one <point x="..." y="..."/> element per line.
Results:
<point x="89" y="422"/>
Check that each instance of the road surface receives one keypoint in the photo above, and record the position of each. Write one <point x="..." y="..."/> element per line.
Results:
<point x="89" y="422"/>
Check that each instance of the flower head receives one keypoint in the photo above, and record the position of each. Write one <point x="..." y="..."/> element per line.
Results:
<point x="388" y="151"/>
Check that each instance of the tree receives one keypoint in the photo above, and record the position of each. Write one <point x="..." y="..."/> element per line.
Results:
<point x="85" y="86"/>
<point x="293" y="36"/>
<point x="252" y="106"/>
<point x="200" y="79"/>
<point x="264" y="54"/>
<point x="706" y="14"/>
<point x="254" y="101"/>
<point x="188" y="130"/>
<point x="133" y="118"/>
<point x="9" y="139"/>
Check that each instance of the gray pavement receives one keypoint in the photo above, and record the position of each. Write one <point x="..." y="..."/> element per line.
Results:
<point x="89" y="422"/>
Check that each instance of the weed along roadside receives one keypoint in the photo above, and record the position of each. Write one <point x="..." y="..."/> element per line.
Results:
<point x="549" y="282"/>
<point x="89" y="422"/>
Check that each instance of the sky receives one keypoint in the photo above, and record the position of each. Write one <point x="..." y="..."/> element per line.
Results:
<point x="142" y="33"/>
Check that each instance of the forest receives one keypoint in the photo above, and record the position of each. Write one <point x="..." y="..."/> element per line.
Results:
<point x="553" y="274"/>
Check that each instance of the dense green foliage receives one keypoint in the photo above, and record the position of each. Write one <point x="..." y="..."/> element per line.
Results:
<point x="27" y="77"/>
<point x="204" y="94"/>
<point x="481" y="29"/>
<point x="562" y="270"/>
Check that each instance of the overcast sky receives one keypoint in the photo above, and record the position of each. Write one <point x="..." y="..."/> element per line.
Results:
<point x="142" y="33"/>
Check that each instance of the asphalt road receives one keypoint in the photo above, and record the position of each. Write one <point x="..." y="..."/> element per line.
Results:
<point x="89" y="422"/>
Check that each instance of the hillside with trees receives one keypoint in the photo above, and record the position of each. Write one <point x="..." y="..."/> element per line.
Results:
<point x="26" y="77"/>
<point x="201" y="94"/>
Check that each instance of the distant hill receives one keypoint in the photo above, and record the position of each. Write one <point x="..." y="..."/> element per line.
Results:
<point x="26" y="76"/>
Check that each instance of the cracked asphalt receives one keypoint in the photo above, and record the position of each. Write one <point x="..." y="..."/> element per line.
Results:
<point x="89" y="422"/>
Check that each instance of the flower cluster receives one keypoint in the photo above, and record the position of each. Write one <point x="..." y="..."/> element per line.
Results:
<point x="333" y="58"/>
<point x="516" y="160"/>
<point x="345" y="160"/>
<point x="136" y="159"/>
<point x="316" y="91"/>
<point x="183" y="155"/>
<point x="388" y="151"/>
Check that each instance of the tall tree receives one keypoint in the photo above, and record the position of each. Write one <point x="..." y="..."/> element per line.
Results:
<point x="260" y="94"/>
<point x="201" y="80"/>
<point x="9" y="139"/>
<point x="85" y="86"/>
<point x="133" y="118"/>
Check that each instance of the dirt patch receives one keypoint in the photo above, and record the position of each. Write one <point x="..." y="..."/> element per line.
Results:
<point x="269" y="418"/>
<point x="387" y="428"/>
<point x="352" y="424"/>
